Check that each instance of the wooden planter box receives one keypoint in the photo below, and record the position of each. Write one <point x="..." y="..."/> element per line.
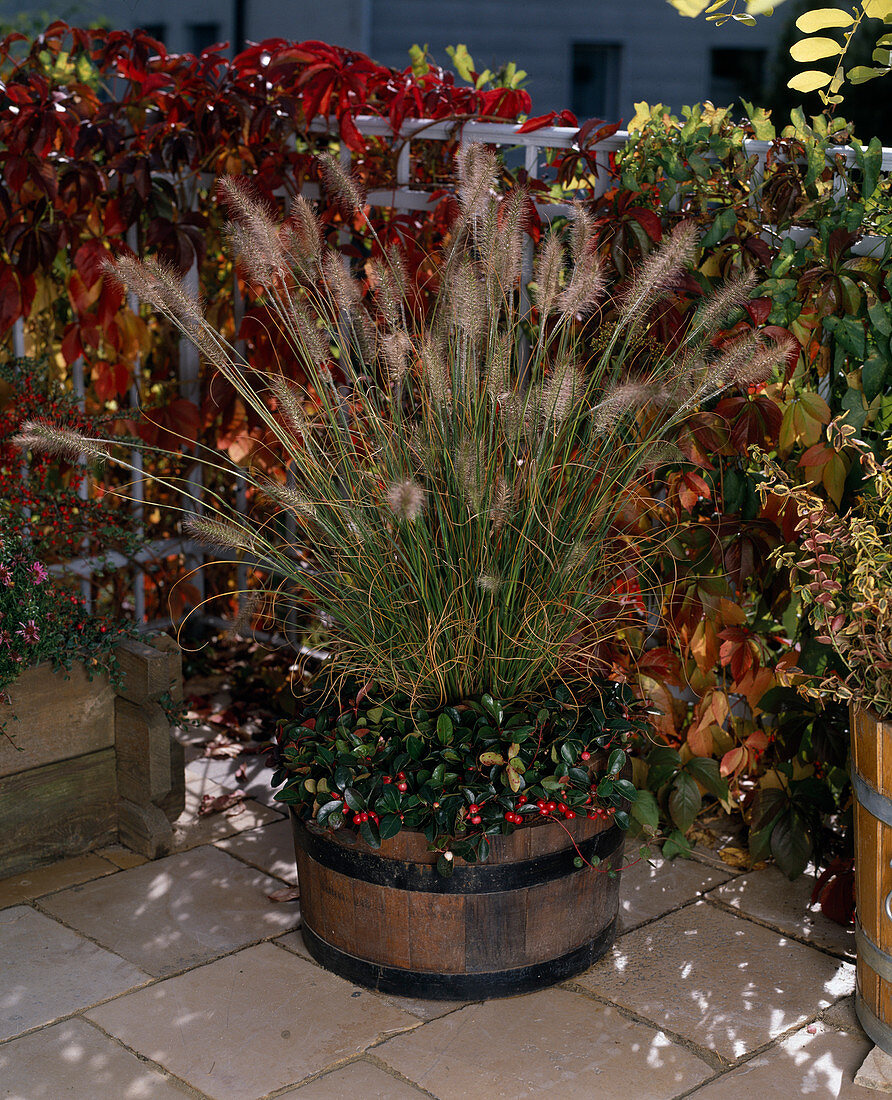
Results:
<point x="91" y="765"/>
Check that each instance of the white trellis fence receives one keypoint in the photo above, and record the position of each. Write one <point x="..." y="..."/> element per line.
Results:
<point x="403" y="197"/>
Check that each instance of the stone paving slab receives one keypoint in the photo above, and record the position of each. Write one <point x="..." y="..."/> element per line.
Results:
<point x="75" y="1061"/>
<point x="726" y="984"/>
<point x="270" y="847"/>
<point x="48" y="971"/>
<point x="817" y="1062"/>
<point x="190" y="830"/>
<point x="651" y="888"/>
<point x="424" y="1010"/>
<point x="359" y="1079"/>
<point x="57" y="876"/>
<point x="256" y="781"/>
<point x="554" y="1042"/>
<point x="178" y="911"/>
<point x="250" y="1023"/>
<point x="768" y="895"/>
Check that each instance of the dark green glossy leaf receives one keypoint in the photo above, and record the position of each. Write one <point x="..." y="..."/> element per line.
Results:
<point x="684" y="801"/>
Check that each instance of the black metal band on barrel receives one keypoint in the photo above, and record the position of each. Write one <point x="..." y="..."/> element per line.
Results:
<point x="878" y="805"/>
<point x="461" y="987"/>
<point x="482" y="878"/>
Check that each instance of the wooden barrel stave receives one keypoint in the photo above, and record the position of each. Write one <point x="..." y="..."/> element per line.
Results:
<point x="872" y="776"/>
<point x="455" y="937"/>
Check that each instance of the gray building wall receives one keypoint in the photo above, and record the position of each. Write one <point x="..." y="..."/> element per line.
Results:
<point x="642" y="49"/>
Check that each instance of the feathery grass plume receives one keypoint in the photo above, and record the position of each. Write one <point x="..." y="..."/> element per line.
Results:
<point x="253" y="234"/>
<point x="34" y="435"/>
<point x="344" y="288"/>
<point x="435" y="371"/>
<point x="718" y="308"/>
<point x="659" y="271"/>
<point x="342" y="185"/>
<point x="157" y="283"/>
<point x="289" y="400"/>
<point x="582" y="235"/>
<point x="286" y="497"/>
<point x="397" y="347"/>
<point x="304" y="233"/>
<point x="498" y="379"/>
<point x="584" y="290"/>
<point x="548" y="272"/>
<point x="490" y="582"/>
<point x="249" y="606"/>
<point x="388" y="294"/>
<point x="766" y="358"/>
<point x="661" y="453"/>
<point x="221" y="532"/>
<point x="562" y="391"/>
<point x="467" y="301"/>
<point x="478" y="168"/>
<point x="505" y="258"/>
<point x="620" y="400"/>
<point x="470" y="473"/>
<point x="406" y="500"/>
<point x="311" y="340"/>
<point x="366" y="336"/>
<point x="499" y="503"/>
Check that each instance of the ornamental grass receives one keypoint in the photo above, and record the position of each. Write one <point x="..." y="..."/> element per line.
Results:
<point x="455" y="475"/>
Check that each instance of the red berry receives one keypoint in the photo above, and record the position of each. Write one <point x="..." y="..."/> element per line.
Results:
<point x="473" y="808"/>
<point x="585" y="756"/>
<point x="476" y="819"/>
<point x="612" y="811"/>
<point x="551" y="807"/>
<point x="387" y="779"/>
<point x="541" y="803"/>
<point x="562" y="806"/>
<point x="401" y="786"/>
<point x="363" y="816"/>
<point x="401" y="775"/>
<point x="569" y="813"/>
<point x="592" y="815"/>
<point x="336" y="796"/>
<point x="543" y="811"/>
<point x="357" y="819"/>
<point x="521" y="799"/>
<point x="509" y="815"/>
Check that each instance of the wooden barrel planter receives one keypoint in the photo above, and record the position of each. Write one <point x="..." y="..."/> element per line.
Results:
<point x="523" y="919"/>
<point x="872" y="783"/>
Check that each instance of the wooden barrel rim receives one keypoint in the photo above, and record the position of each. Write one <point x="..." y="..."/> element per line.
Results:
<point x="466" y="878"/>
<point x="465" y="986"/>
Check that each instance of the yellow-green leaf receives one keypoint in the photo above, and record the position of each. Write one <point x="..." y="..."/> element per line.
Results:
<point x="690" y="8"/>
<point x="809" y="81"/>
<point x="812" y="49"/>
<point x="862" y="73"/>
<point x="877" y="9"/>
<point x="822" y="18"/>
<point x="761" y="7"/>
<point x="882" y="56"/>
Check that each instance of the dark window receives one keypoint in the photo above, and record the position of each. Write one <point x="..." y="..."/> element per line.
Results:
<point x="202" y="35"/>
<point x="736" y="74"/>
<point x="155" y="30"/>
<point x="596" y="70"/>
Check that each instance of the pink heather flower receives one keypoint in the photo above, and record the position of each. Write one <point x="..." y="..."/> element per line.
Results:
<point x="5" y="638"/>
<point x="6" y="576"/>
<point x="29" y="632"/>
<point x="38" y="572"/>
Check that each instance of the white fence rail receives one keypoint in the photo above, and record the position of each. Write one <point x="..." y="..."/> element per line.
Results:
<point x="404" y="197"/>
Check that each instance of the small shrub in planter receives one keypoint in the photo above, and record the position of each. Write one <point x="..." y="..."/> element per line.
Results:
<point x="40" y="621"/>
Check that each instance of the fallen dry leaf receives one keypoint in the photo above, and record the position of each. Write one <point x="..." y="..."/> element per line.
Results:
<point x="735" y="857"/>
<point x="290" y="893"/>
<point x="222" y="802"/>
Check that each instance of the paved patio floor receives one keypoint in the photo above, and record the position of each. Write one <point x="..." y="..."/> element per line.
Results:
<point x="127" y="980"/>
